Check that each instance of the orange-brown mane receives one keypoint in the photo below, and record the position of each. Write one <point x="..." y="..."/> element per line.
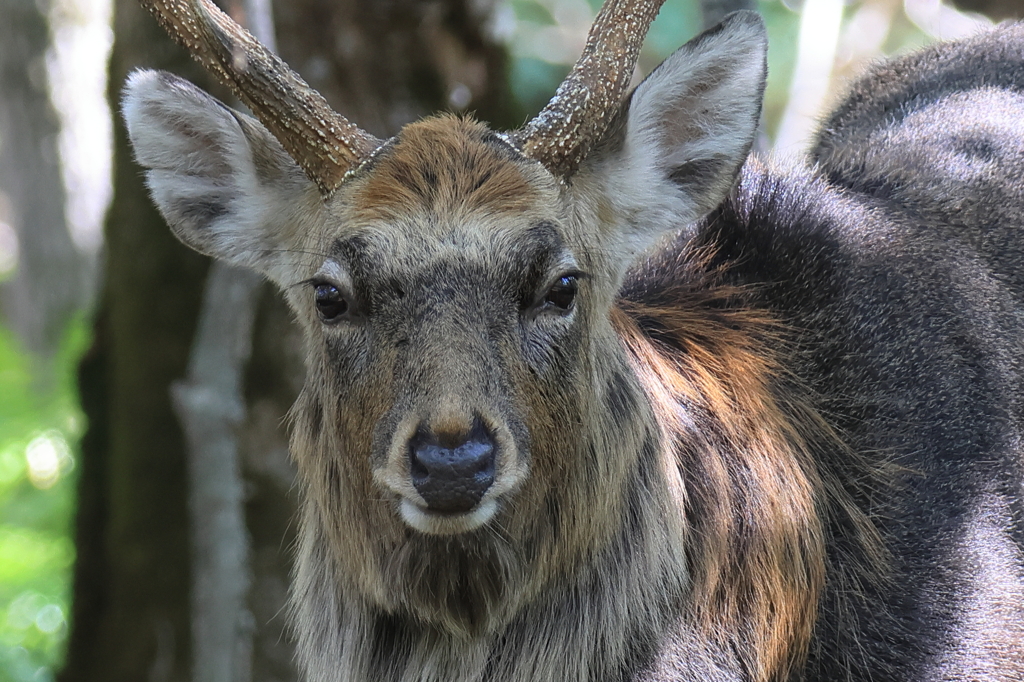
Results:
<point x="756" y="503"/>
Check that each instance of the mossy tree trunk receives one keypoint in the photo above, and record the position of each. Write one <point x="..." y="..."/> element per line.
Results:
<point x="382" y="64"/>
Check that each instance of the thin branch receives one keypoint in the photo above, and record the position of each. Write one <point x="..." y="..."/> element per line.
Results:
<point x="211" y="407"/>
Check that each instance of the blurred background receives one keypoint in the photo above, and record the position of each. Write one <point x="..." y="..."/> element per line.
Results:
<point x="99" y="306"/>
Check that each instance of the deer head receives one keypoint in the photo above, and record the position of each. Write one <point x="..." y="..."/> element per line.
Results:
<point x="467" y="399"/>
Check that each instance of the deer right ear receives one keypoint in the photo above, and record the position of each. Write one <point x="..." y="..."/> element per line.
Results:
<point x="223" y="183"/>
<point x="682" y="135"/>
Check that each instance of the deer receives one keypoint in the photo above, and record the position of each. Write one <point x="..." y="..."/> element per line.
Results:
<point x="611" y="398"/>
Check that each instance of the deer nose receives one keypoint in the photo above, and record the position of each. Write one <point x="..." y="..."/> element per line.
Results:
<point x="452" y="472"/>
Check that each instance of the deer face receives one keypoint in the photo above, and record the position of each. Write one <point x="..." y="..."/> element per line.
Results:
<point x="455" y="288"/>
<point x="447" y="285"/>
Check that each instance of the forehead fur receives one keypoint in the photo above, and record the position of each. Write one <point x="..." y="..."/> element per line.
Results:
<point x="445" y="164"/>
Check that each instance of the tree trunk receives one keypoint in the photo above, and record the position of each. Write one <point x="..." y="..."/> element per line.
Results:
<point x="998" y="10"/>
<point x="381" y="63"/>
<point x="50" y="282"/>
<point x="130" y="619"/>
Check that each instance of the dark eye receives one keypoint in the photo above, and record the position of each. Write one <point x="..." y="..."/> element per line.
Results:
<point x="330" y="303"/>
<point x="562" y="294"/>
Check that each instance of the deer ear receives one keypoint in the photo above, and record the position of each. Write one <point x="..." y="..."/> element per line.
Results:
<point x="683" y="134"/>
<point x="222" y="182"/>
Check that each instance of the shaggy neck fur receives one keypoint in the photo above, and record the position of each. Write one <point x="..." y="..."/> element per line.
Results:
<point x="602" y="621"/>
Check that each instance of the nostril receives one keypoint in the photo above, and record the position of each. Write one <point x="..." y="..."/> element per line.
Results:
<point x="452" y="474"/>
<point x="418" y="470"/>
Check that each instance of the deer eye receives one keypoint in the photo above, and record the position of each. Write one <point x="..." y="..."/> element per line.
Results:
<point x="330" y="302"/>
<point x="562" y="294"/>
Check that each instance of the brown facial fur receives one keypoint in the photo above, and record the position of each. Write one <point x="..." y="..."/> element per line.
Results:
<point x="738" y="509"/>
<point x="449" y="238"/>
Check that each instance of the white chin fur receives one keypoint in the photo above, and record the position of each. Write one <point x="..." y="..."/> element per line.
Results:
<point x="446" y="524"/>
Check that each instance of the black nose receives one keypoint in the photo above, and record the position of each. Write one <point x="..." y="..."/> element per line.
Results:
<point x="452" y="473"/>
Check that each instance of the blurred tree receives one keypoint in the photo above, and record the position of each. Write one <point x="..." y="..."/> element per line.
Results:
<point x="130" y="604"/>
<point x="996" y="9"/>
<point x="381" y="64"/>
<point x="49" y="283"/>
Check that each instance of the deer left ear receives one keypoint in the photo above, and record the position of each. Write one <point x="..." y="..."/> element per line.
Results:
<point x="223" y="183"/>
<point x="682" y="135"/>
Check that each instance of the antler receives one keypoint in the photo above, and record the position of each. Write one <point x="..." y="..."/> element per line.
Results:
<point x="581" y="110"/>
<point x="323" y="142"/>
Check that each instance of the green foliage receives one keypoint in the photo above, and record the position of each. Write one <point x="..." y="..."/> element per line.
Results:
<point x="534" y="80"/>
<point x="37" y="424"/>
<point x="677" y="22"/>
<point x="783" y="30"/>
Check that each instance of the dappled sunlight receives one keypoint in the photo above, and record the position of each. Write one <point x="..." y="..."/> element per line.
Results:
<point x="48" y="457"/>
<point x="8" y="248"/>
<point x="819" y="37"/>
<point x="37" y="429"/>
<point x="837" y="40"/>
<point x="39" y="419"/>
<point x="560" y="41"/>
<point x="76" y="67"/>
